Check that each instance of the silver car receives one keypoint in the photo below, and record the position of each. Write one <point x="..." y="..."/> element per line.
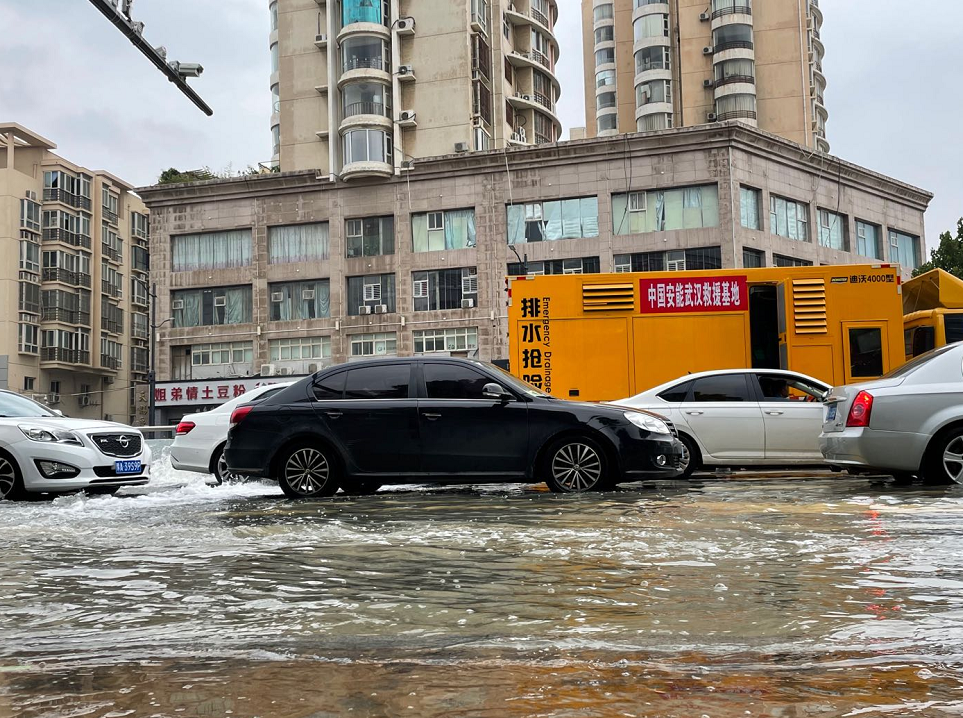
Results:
<point x="908" y="423"/>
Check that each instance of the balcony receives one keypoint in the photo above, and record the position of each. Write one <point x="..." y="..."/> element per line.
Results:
<point x="139" y="367"/>
<point x="109" y="362"/>
<point x="67" y="316"/>
<point x="137" y="332"/>
<point x="367" y="108"/>
<point x="732" y="79"/>
<point x="366" y="63"/>
<point x="736" y="115"/>
<point x="66" y="276"/>
<point x="732" y="10"/>
<point x="533" y="17"/>
<point x="112" y="254"/>
<point x="733" y="45"/>
<point x="111" y="289"/>
<point x="533" y="58"/>
<point x="55" y="234"/>
<point x="109" y="325"/>
<point x="74" y="200"/>
<point x="64" y="356"/>
<point x="110" y="216"/>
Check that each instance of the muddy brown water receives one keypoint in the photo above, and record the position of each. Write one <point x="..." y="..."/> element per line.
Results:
<point x="744" y="596"/>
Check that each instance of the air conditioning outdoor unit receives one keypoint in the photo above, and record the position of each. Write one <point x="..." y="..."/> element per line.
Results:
<point x="321" y="39"/>
<point x="84" y="401"/>
<point x="283" y="371"/>
<point x="461" y="147"/>
<point x="109" y="380"/>
<point x="704" y="17"/>
<point x="711" y="117"/>
<point x="467" y="303"/>
<point x="407" y="117"/>
<point x="707" y="83"/>
<point x="177" y="304"/>
<point x="364" y="309"/>
<point x="268" y="370"/>
<point x="277" y="297"/>
<point x="405" y="26"/>
<point x="405" y="70"/>
<point x="381" y="309"/>
<point x="312" y="368"/>
<point x="54" y="399"/>
<point x="526" y="97"/>
<point x="707" y="50"/>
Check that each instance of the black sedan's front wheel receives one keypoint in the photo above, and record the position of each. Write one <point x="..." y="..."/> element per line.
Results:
<point x="575" y="465"/>
<point x="307" y="472"/>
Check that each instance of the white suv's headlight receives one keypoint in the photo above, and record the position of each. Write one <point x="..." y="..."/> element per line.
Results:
<point x="50" y="436"/>
<point x="647" y="422"/>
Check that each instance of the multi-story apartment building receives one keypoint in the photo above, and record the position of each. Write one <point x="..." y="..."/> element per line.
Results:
<point x="362" y="87"/>
<point x="654" y="64"/>
<point x="76" y="241"/>
<point x="284" y="273"/>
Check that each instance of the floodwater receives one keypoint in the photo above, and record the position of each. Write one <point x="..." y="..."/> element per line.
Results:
<point x="762" y="596"/>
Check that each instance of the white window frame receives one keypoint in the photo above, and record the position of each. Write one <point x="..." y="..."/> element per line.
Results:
<point x="371" y="292"/>
<point x="419" y="288"/>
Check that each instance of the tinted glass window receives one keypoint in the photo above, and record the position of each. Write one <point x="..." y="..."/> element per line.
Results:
<point x="677" y="393"/>
<point x="777" y="387"/>
<point x="13" y="405"/>
<point x="866" y="352"/>
<point x="378" y="382"/>
<point x="447" y="381"/>
<point x="954" y="327"/>
<point x="924" y="339"/>
<point x="330" y="387"/>
<point x="727" y="387"/>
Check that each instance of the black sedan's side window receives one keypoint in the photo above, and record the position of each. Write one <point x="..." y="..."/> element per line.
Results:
<point x="378" y="382"/>
<point x="447" y="381"/>
<point x="330" y="387"/>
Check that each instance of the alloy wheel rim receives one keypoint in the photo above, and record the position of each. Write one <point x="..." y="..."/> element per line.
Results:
<point x="8" y="478"/>
<point x="576" y="467"/>
<point x="222" y="471"/>
<point x="953" y="460"/>
<point x="307" y="471"/>
<point x="686" y="457"/>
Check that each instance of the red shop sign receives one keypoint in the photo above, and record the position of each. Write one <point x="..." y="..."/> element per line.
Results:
<point x="689" y="295"/>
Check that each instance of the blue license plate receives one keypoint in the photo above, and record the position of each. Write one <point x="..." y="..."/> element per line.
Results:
<point x="831" y="413"/>
<point x="127" y="467"/>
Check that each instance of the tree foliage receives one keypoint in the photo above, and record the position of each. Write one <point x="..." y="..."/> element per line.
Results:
<point x="175" y="176"/>
<point x="948" y="256"/>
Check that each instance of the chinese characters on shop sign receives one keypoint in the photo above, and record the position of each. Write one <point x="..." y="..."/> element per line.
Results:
<point x="690" y="295"/>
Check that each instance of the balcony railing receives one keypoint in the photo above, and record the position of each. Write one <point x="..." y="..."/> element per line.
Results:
<point x="59" y="195"/>
<point x="536" y="56"/>
<point x="730" y="79"/>
<point x="367" y="63"/>
<point x="110" y="216"/>
<point x="367" y="108"/>
<point x="736" y="115"/>
<point x="109" y="362"/>
<point x="56" y="274"/>
<point x="111" y="253"/>
<point x="109" y="325"/>
<point x="733" y="45"/>
<point x="139" y="332"/>
<point x="732" y="10"/>
<point x="65" y="356"/>
<point x="111" y="289"/>
<point x="55" y="234"/>
<point x="139" y="367"/>
<point x="68" y="316"/>
<point x="544" y="101"/>
<point x="141" y="300"/>
<point x="541" y="18"/>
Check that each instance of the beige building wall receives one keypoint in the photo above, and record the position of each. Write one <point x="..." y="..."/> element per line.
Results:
<point x="82" y="381"/>
<point x="783" y="95"/>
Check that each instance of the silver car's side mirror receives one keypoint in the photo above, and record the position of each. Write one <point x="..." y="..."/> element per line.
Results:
<point x="495" y="391"/>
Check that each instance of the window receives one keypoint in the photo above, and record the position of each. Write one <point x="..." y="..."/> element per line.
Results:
<point x="298" y="243"/>
<point x="780" y="387"/>
<point x="605" y="78"/>
<point x="447" y="381"/>
<point x="683" y="208"/>
<point x="735" y="36"/>
<point x="366" y="98"/>
<point x="654" y="122"/>
<point x="833" y="230"/>
<point x="606" y="33"/>
<point x="437" y="231"/>
<point x="330" y="387"/>
<point x="452" y="339"/>
<point x="139" y="293"/>
<point x="30" y="214"/>
<point x="739" y="70"/>
<point x="275" y="58"/>
<point x="904" y="249"/>
<point x="788" y="218"/>
<point x="609" y="122"/>
<point x="549" y="221"/>
<point x="579" y="265"/>
<point x="953" y="328"/>
<point x="29" y="382"/>
<point x="29" y="339"/>
<point x="749" y="205"/>
<point x="211" y="307"/>
<point x="652" y="58"/>
<point x="371" y="294"/>
<point x="274" y="16"/>
<point x="779" y="260"/>
<point x="300" y="349"/>
<point x="310" y="299"/>
<point x="370" y="236"/>
<point x="753" y="258"/>
<point x="605" y="100"/>
<point x="865" y="352"/>
<point x="603" y="12"/>
<point x="649" y="26"/>
<point x="113" y="245"/>
<point x="138" y="326"/>
<point x="55" y="385"/>
<point x="653" y="91"/>
<point x="111" y="353"/>
<point x="222" y="354"/>
<point x="605" y="56"/>
<point x="139" y="259"/>
<point x="444" y="288"/>
<point x="367" y="146"/>
<point x="211" y="250"/>
<point x="112" y="281"/>
<point x="29" y="297"/>
<point x="482" y="139"/>
<point x="109" y="201"/>
<point x="376" y="11"/>
<point x="724" y="387"/>
<point x="365" y="52"/>
<point x="276" y="139"/>
<point x="677" y="393"/>
<point x="730" y="107"/>
<point x="372" y="345"/>
<point x="29" y="256"/>
<point x="868" y="238"/>
<point x="674" y="260"/>
<point x="919" y="340"/>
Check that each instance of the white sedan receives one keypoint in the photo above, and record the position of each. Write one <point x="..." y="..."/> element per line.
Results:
<point x="199" y="438"/>
<point x="742" y="417"/>
<point x="43" y="452"/>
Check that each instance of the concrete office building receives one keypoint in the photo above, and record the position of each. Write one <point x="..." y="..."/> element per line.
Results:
<point x="75" y="331"/>
<point x="650" y="65"/>
<point x="310" y="271"/>
<point x="361" y="87"/>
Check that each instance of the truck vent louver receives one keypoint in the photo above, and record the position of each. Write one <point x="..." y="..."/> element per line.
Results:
<point x="809" y="306"/>
<point x="608" y="297"/>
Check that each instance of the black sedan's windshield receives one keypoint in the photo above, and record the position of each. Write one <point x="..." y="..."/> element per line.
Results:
<point x="14" y="405"/>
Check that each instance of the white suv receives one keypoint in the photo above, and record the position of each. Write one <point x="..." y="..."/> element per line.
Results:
<point x="44" y="452"/>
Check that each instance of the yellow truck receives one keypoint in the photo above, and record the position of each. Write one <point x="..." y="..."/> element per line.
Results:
<point x="599" y="337"/>
<point x="933" y="312"/>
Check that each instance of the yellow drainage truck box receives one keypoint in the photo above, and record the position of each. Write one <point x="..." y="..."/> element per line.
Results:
<point x="599" y="337"/>
<point x="933" y="312"/>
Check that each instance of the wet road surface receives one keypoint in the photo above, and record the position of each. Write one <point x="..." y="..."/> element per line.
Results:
<point x="778" y="596"/>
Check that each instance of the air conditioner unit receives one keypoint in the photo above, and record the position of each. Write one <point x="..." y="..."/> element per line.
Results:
<point x="526" y="97"/>
<point x="177" y="304"/>
<point x="283" y="371"/>
<point x="109" y="380"/>
<point x="220" y="301"/>
<point x="711" y="117"/>
<point x="381" y="309"/>
<point x="461" y="147"/>
<point x="707" y="83"/>
<point x="277" y="297"/>
<point x="405" y="26"/>
<point x="268" y="370"/>
<point x="54" y="398"/>
<point x="364" y="309"/>
<point x="467" y="303"/>
<point x="84" y="401"/>
<point x="321" y="39"/>
<point x="307" y="294"/>
<point x="405" y="70"/>
<point x="705" y="17"/>
<point x="407" y="117"/>
<point x="707" y="50"/>
<point x="312" y="368"/>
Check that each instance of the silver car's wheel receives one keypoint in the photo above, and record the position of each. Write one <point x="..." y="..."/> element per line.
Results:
<point x="307" y="472"/>
<point x="576" y="467"/>
<point x="953" y="459"/>
<point x="9" y="481"/>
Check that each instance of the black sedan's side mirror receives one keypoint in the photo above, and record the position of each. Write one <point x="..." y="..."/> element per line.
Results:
<point x="495" y="391"/>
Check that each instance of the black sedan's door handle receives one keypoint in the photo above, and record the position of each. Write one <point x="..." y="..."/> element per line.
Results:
<point x="430" y="415"/>
<point x="334" y="414"/>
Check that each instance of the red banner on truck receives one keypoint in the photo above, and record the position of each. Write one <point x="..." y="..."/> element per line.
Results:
<point x="692" y="294"/>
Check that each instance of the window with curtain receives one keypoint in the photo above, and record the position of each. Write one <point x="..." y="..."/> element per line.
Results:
<point x="652" y="58"/>
<point x="749" y="201"/>
<point x="788" y="218"/>
<point x="211" y="250"/>
<point x="665" y="210"/>
<point x="904" y="249"/>
<point x="654" y="122"/>
<point x="736" y="106"/>
<point x="739" y="70"/>
<point x="577" y="265"/>
<point x="605" y="78"/>
<point x="674" y="260"/>
<point x="553" y="220"/>
<point x="649" y="26"/>
<point x="371" y="291"/>
<point x="298" y="243"/>
<point x="370" y="345"/>
<point x="728" y="37"/>
<point x="370" y="236"/>
<point x="605" y="56"/>
<point x="450" y="229"/>
<point x="211" y="307"/>
<point x="443" y="288"/>
<point x="868" y="238"/>
<point x="453" y="339"/>
<point x="310" y="299"/>
<point x="654" y="91"/>
<point x="353" y="11"/>
<point x="603" y="12"/>
<point x="779" y="260"/>
<point x="833" y="230"/>
<point x="608" y="122"/>
<point x="752" y="258"/>
<point x="222" y="353"/>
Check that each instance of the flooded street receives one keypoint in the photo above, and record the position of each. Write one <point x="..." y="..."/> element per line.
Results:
<point x="779" y="596"/>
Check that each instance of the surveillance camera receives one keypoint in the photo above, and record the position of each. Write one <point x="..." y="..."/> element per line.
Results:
<point x="187" y="69"/>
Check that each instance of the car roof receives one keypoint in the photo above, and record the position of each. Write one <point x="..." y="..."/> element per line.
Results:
<point x="428" y="359"/>
<point x="719" y="372"/>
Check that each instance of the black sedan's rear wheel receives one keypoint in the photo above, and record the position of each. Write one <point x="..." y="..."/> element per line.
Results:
<point x="576" y="465"/>
<point x="307" y="472"/>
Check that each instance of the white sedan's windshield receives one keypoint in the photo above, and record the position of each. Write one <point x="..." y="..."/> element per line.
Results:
<point x="13" y="405"/>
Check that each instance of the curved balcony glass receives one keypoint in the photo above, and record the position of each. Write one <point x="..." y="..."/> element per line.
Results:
<point x="372" y="11"/>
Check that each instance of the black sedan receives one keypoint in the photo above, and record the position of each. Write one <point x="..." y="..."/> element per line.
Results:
<point x="359" y="426"/>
